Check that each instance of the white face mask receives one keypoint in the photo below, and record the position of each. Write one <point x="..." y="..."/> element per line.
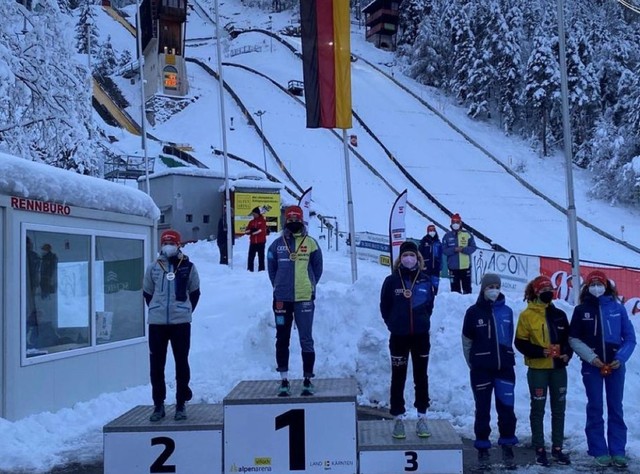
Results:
<point x="409" y="261"/>
<point x="491" y="294"/>
<point x="596" y="290"/>
<point x="455" y="226"/>
<point x="432" y="234"/>
<point x="170" y="250"/>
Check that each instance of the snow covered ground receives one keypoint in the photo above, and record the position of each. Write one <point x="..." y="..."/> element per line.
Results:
<point x="233" y="331"/>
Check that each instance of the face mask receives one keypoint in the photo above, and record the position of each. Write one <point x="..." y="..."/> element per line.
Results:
<point x="455" y="226"/>
<point x="170" y="250"/>
<point x="432" y="234"/>
<point x="546" y="297"/>
<point x="409" y="261"/>
<point x="596" y="290"/>
<point x="491" y="294"/>
<point x="294" y="227"/>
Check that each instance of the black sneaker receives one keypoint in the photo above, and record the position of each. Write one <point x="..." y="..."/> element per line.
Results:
<point x="307" y="388"/>
<point x="181" y="412"/>
<point x="158" y="413"/>
<point x="484" y="460"/>
<point x="284" y="389"/>
<point x="508" y="459"/>
<point x="541" y="457"/>
<point x="560" y="457"/>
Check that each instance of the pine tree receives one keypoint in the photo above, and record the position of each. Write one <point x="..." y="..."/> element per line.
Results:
<point x="86" y="31"/>
<point x="430" y="55"/>
<point x="107" y="60"/>
<point x="411" y="14"/>
<point x="464" y="50"/>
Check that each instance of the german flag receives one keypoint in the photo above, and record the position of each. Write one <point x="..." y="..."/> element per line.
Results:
<point x="326" y="62"/>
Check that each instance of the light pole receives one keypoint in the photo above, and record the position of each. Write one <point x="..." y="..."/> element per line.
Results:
<point x="143" y="115"/>
<point x="568" y="158"/>
<point x="260" y="113"/>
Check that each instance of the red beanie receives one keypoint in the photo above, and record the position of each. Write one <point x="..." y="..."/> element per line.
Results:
<point x="540" y="283"/>
<point x="431" y="227"/>
<point x="293" y="212"/>
<point x="596" y="276"/>
<point x="170" y="235"/>
<point x="456" y="218"/>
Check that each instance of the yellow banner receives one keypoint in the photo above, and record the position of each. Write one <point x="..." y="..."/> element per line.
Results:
<point x="244" y="203"/>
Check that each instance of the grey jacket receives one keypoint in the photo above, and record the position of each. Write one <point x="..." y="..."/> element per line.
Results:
<point x="171" y="301"/>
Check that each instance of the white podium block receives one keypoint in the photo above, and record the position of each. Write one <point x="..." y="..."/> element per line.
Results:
<point x="295" y="434"/>
<point x="380" y="453"/>
<point x="135" y="445"/>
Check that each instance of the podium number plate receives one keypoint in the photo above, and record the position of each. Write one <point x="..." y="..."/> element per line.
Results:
<point x="290" y="438"/>
<point x="416" y="461"/>
<point x="193" y="452"/>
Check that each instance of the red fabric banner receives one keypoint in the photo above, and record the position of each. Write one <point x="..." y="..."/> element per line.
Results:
<point x="626" y="280"/>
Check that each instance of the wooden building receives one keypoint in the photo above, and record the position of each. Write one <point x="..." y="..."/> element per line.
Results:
<point x="381" y="22"/>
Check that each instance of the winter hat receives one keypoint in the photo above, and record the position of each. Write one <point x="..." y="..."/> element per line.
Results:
<point x="170" y="236"/>
<point x="408" y="246"/>
<point x="596" y="276"/>
<point x="489" y="279"/>
<point x="255" y="210"/>
<point x="431" y="227"/>
<point x="293" y="212"/>
<point x="456" y="218"/>
<point x="540" y="283"/>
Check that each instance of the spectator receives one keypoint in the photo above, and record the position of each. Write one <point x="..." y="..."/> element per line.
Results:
<point x="458" y="245"/>
<point x="257" y="232"/>
<point x="487" y="338"/>
<point x="431" y="250"/>
<point x="295" y="267"/>
<point x="604" y="338"/>
<point x="542" y="336"/>
<point x="406" y="303"/>
<point x="171" y="290"/>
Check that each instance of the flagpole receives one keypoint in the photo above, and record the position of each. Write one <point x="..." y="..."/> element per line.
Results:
<point x="352" y="228"/>
<point x="227" y="197"/>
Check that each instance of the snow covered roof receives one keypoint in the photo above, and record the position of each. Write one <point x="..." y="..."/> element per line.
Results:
<point x="186" y="171"/>
<point x="28" y="179"/>
<point x="254" y="183"/>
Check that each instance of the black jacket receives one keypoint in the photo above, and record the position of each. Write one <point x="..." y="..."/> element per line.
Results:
<point x="404" y="316"/>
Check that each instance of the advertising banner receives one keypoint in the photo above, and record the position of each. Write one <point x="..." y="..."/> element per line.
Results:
<point x="373" y="247"/>
<point x="515" y="270"/>
<point x="626" y="280"/>
<point x="268" y="203"/>
<point x="397" y="226"/>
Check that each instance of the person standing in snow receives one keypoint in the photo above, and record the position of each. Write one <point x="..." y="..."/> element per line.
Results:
<point x="458" y="245"/>
<point x="171" y="290"/>
<point x="430" y="248"/>
<point x="604" y="338"/>
<point x="257" y="232"/>
<point x="221" y="237"/>
<point x="542" y="336"/>
<point x="487" y="338"/>
<point x="294" y="263"/>
<point x="406" y="303"/>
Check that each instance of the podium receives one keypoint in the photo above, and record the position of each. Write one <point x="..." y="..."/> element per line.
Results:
<point x="135" y="445"/>
<point x="381" y="454"/>
<point x="254" y="430"/>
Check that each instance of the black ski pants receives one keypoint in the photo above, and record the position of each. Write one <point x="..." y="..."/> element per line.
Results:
<point x="253" y="250"/>
<point x="400" y="347"/>
<point x="180" y="337"/>
<point x="285" y="313"/>
<point x="461" y="282"/>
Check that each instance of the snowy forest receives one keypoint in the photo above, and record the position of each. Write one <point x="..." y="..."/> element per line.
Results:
<point x="496" y="58"/>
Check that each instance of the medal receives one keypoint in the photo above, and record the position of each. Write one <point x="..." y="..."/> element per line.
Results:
<point x="171" y="276"/>
<point x="407" y="293"/>
<point x="293" y="256"/>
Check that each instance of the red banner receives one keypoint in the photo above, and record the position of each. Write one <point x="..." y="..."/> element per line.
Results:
<point x="626" y="280"/>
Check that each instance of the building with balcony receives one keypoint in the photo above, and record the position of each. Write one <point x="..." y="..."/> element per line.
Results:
<point x="381" y="22"/>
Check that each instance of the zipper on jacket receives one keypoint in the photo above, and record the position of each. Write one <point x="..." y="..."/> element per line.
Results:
<point x="168" y="291"/>
<point x="493" y="315"/>
<point x="544" y="339"/>
<point x="600" y="316"/>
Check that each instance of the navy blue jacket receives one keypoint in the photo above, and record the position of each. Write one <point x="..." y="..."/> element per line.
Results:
<point x="431" y="250"/>
<point x="603" y="325"/>
<point x="488" y="329"/>
<point x="404" y="316"/>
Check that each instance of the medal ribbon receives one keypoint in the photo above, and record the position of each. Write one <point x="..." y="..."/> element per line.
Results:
<point x="294" y="241"/>
<point x="404" y="289"/>
<point x="165" y="270"/>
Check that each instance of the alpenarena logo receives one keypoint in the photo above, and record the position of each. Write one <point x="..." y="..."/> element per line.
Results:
<point x="25" y="204"/>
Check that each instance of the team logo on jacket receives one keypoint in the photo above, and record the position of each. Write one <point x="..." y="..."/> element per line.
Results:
<point x="587" y="316"/>
<point x="279" y="305"/>
<point x="302" y="249"/>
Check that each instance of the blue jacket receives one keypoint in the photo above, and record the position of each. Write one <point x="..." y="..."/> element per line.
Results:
<point x="404" y="316"/>
<point x="431" y="250"/>
<point x="458" y="238"/>
<point x="294" y="280"/>
<point x="603" y="325"/>
<point x="487" y="334"/>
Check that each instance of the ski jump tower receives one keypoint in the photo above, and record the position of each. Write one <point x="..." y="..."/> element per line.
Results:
<point x="163" y="25"/>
